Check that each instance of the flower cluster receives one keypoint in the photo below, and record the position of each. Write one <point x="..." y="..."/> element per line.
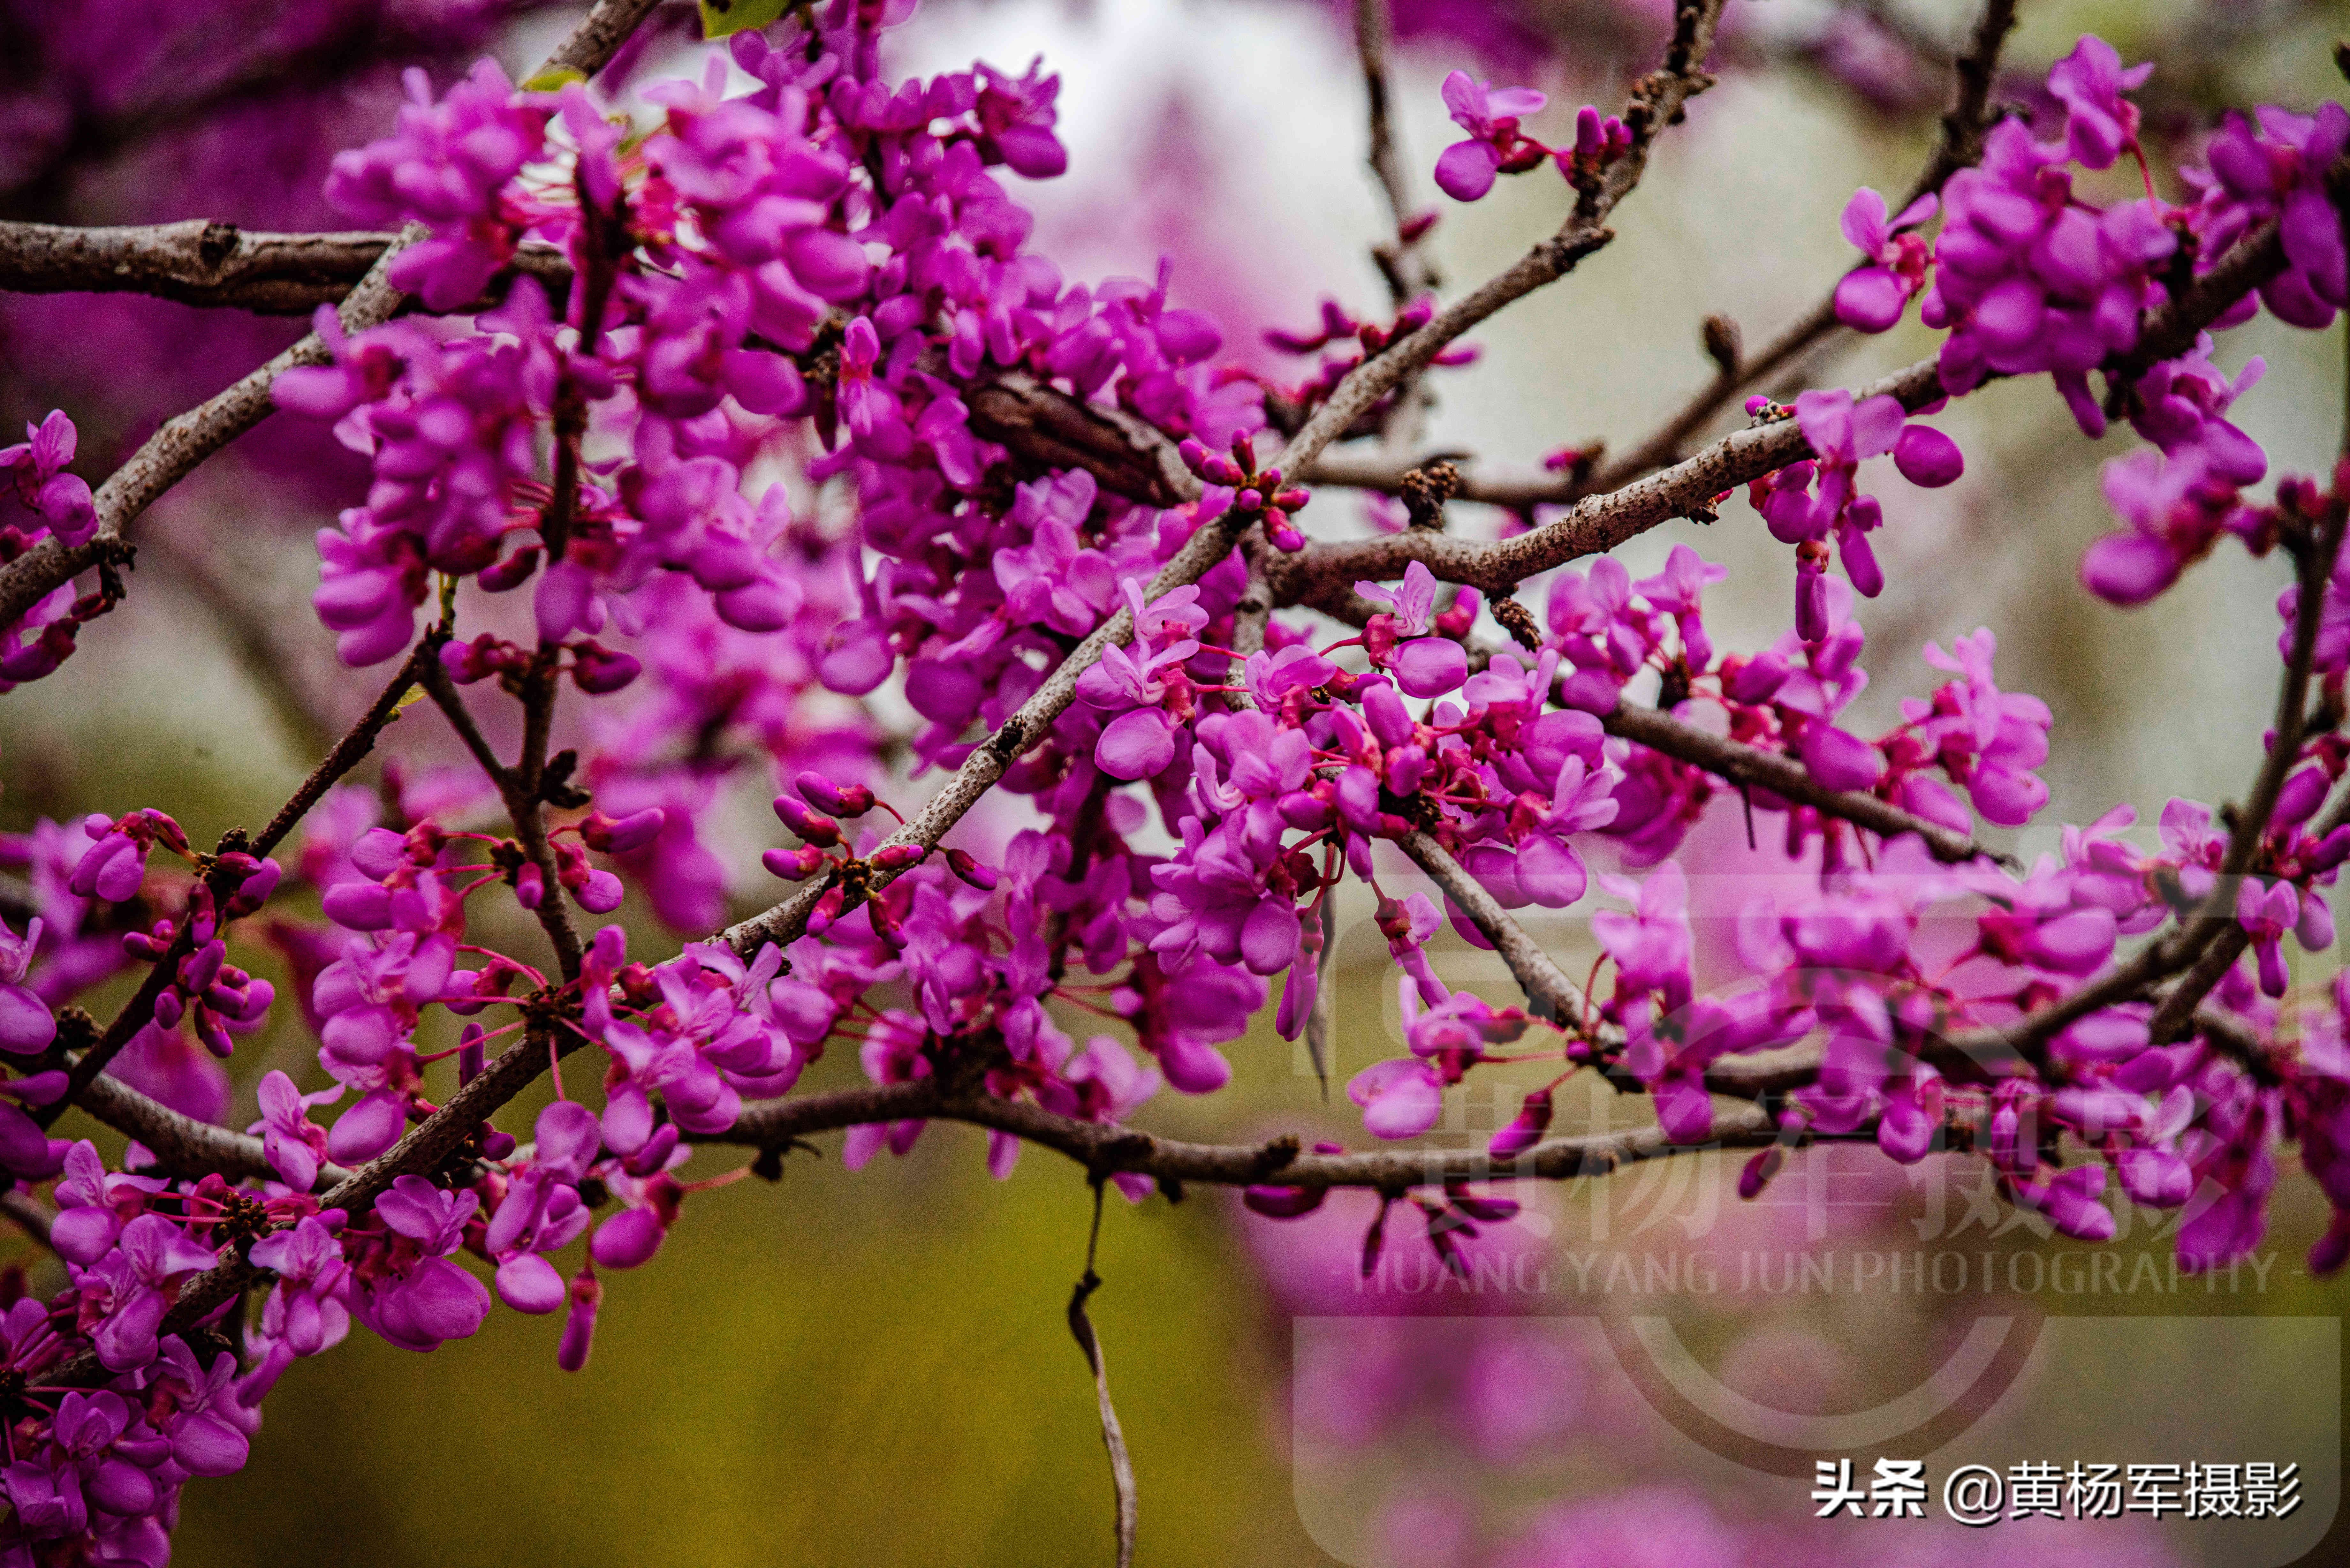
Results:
<point x="447" y="164"/>
<point x="1843" y="434"/>
<point x="42" y="500"/>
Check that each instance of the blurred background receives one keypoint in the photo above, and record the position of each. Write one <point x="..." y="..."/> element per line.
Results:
<point x="878" y="1365"/>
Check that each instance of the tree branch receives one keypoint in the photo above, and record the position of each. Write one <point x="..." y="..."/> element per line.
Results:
<point x="203" y="263"/>
<point x="28" y="1214"/>
<point x="1786" y="778"/>
<point x="1401" y="261"/>
<point x="180" y="1144"/>
<point x="431" y="1143"/>
<point x="1595" y="525"/>
<point x="1110" y="1151"/>
<point x="1081" y="1327"/>
<point x="425" y="1149"/>
<point x="346" y="753"/>
<point x="2214" y="928"/>
<point x="2206" y="943"/>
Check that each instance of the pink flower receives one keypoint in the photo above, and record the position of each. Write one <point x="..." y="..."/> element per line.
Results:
<point x="2074" y="1200"/>
<point x="2267" y="913"/>
<point x="1650" y="945"/>
<point x="1871" y="299"/>
<point x="35" y="471"/>
<point x="293" y="1142"/>
<point x="2100" y="123"/>
<point x="1400" y="1098"/>
<point x="1465" y="169"/>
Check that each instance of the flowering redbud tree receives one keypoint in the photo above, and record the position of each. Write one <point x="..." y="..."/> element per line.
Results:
<point x="578" y="332"/>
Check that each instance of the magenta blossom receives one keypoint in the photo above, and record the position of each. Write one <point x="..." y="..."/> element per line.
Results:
<point x="1465" y="169"/>
<point x="2100" y="121"/>
<point x="51" y="500"/>
<point x="1871" y="299"/>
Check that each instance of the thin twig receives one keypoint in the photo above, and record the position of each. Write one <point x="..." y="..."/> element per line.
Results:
<point x="1402" y="262"/>
<point x="28" y="1214"/>
<point x="347" y="752"/>
<point x="1322" y="1021"/>
<point x="135" y="1015"/>
<point x="1081" y="1328"/>
<point x="519" y="798"/>
<point x="1402" y="257"/>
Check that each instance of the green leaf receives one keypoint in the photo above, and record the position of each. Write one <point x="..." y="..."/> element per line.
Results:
<point x="720" y="17"/>
<point x="554" y="78"/>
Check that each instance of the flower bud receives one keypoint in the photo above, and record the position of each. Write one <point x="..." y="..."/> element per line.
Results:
<point x="254" y="890"/>
<point x="627" y="1239"/>
<point x="198" y="969"/>
<point x="1283" y="1202"/>
<point x="793" y="865"/>
<point x="600" y="893"/>
<point x="511" y="573"/>
<point x="2300" y="795"/>
<point x="2330" y="850"/>
<point x="1525" y="1129"/>
<point x="1928" y="458"/>
<point x="981" y="876"/>
<point x="1589" y="137"/>
<point x="528" y="1283"/>
<point x="215" y="1038"/>
<point x="852" y="800"/>
<point x="1760" y="1170"/>
<point x="597" y="670"/>
<point x="655" y="1154"/>
<point x="620" y="836"/>
<point x="579" y="1323"/>
<point x="812" y="827"/>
